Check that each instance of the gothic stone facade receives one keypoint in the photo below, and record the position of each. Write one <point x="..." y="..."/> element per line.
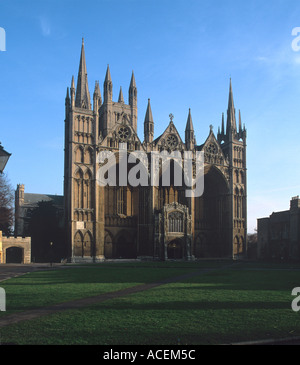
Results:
<point x="160" y="222"/>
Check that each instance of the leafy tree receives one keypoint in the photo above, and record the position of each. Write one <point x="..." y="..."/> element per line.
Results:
<point x="44" y="227"/>
<point x="6" y="206"/>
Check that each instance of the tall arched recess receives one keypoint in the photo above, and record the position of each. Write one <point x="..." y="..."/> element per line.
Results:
<point x="78" y="245"/>
<point x="212" y="216"/>
<point x="87" y="245"/>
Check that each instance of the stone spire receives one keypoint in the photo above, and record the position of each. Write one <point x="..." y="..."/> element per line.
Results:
<point x="132" y="81"/>
<point x="121" y="98"/>
<point x="107" y="86"/>
<point x="221" y="134"/>
<point x="132" y="97"/>
<point x="97" y="96"/>
<point x="73" y="92"/>
<point x="148" y="124"/>
<point x="189" y="124"/>
<point x="240" y="122"/>
<point x="231" y="121"/>
<point x="82" y="99"/>
<point x="132" y="91"/>
<point x="189" y="133"/>
<point x="223" y="126"/>
<point x="68" y="96"/>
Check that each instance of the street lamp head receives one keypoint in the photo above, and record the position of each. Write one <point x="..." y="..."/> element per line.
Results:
<point x="4" y="156"/>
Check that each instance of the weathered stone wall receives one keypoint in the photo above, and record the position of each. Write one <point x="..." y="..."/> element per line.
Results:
<point x="22" y="242"/>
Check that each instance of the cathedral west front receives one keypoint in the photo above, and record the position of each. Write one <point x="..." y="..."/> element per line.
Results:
<point x="151" y="221"/>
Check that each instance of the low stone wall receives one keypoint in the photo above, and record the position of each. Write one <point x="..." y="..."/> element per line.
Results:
<point x="23" y="243"/>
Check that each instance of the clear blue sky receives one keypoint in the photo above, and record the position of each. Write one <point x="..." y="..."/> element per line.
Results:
<point x="183" y="53"/>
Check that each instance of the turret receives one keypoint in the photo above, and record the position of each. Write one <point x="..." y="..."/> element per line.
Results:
<point x="133" y="101"/>
<point x="73" y="92"/>
<point x="189" y="133"/>
<point x="67" y="102"/>
<point x="121" y="98"/>
<point x="107" y="88"/>
<point x="148" y="125"/>
<point x="97" y="97"/>
<point x="132" y="91"/>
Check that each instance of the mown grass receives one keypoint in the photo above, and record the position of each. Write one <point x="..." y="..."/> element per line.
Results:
<point x="49" y="287"/>
<point x="238" y="303"/>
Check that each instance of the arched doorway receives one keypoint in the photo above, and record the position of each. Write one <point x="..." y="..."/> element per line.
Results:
<point x="87" y="245"/>
<point x="108" y="246"/>
<point x="14" y="255"/>
<point x="175" y="249"/>
<point x="78" y="244"/>
<point x="201" y="248"/>
<point x="212" y="212"/>
<point x="124" y="246"/>
<point x="237" y="246"/>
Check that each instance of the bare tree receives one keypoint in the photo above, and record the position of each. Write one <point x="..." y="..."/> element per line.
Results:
<point x="6" y="205"/>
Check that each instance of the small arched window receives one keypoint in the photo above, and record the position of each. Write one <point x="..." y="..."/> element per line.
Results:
<point x="175" y="222"/>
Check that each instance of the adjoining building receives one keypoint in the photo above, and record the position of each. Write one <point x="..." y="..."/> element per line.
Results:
<point x="279" y="234"/>
<point x="40" y="217"/>
<point x="15" y="250"/>
<point x="105" y="222"/>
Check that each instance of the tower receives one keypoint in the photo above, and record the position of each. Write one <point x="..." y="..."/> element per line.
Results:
<point x="79" y="164"/>
<point x="233" y="143"/>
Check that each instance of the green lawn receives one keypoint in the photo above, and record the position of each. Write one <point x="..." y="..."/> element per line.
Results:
<point x="239" y="302"/>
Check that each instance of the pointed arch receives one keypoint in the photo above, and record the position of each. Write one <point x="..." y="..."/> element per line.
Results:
<point x="108" y="245"/>
<point x="237" y="177"/>
<point x="212" y="169"/>
<point x="87" y="244"/>
<point x="125" y="246"/>
<point x="87" y="189"/>
<point x="79" y="154"/>
<point x="201" y="248"/>
<point x="78" y="173"/>
<point x="242" y="177"/>
<point x="78" y="244"/>
<point x="78" y="188"/>
<point x="235" y="245"/>
<point x="88" y="156"/>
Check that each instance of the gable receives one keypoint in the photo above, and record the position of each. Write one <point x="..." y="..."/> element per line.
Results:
<point x="123" y="132"/>
<point x="213" y="153"/>
<point x="170" y="139"/>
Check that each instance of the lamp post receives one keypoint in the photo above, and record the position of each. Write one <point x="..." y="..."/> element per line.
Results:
<point x="4" y="156"/>
<point x="51" y="254"/>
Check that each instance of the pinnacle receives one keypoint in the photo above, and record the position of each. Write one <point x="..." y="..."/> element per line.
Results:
<point x="82" y="92"/>
<point x="189" y="123"/>
<point x="132" y="82"/>
<point x="121" y="98"/>
<point x="148" y="116"/>
<point x="107" y="76"/>
<point x="231" y="122"/>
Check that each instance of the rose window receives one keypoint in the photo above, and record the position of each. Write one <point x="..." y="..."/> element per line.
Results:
<point x="212" y="149"/>
<point x="172" y="141"/>
<point x="124" y="134"/>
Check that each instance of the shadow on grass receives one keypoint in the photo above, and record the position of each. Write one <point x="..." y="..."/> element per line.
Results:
<point x="201" y="305"/>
